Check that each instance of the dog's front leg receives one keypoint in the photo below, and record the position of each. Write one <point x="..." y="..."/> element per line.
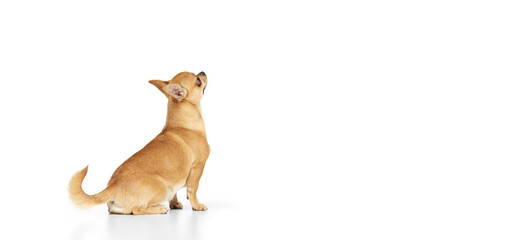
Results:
<point x="192" y="185"/>
<point x="174" y="204"/>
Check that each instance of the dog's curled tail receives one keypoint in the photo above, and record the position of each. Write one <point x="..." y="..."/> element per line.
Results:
<point x="79" y="197"/>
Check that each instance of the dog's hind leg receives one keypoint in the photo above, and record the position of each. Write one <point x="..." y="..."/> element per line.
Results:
<point x="141" y="194"/>
<point x="157" y="209"/>
<point x="145" y="195"/>
<point x="115" y="208"/>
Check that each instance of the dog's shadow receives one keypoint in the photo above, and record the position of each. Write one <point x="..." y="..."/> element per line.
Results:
<point x="175" y="224"/>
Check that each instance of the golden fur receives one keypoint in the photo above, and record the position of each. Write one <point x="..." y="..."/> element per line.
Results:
<point x="173" y="159"/>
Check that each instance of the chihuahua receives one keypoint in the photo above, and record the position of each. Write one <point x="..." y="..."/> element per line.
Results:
<point x="147" y="182"/>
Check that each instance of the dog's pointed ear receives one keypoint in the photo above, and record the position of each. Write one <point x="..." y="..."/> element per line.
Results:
<point x="176" y="91"/>
<point x="161" y="85"/>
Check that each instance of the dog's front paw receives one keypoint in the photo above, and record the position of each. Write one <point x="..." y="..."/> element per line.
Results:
<point x="176" y="205"/>
<point x="199" y="207"/>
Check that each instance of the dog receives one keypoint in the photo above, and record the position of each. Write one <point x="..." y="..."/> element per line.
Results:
<point x="147" y="182"/>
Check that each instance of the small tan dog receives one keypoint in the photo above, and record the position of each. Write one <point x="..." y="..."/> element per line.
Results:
<point x="150" y="178"/>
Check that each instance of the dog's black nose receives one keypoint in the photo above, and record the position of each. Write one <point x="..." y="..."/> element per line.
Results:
<point x="202" y="73"/>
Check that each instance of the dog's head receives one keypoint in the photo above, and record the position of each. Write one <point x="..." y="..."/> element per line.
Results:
<point x="185" y="86"/>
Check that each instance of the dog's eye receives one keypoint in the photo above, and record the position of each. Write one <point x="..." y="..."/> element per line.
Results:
<point x="198" y="82"/>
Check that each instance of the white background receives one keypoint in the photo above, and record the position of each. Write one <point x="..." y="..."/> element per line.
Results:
<point x="327" y="120"/>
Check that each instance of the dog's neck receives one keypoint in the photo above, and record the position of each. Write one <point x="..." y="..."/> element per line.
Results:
<point x="185" y="115"/>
